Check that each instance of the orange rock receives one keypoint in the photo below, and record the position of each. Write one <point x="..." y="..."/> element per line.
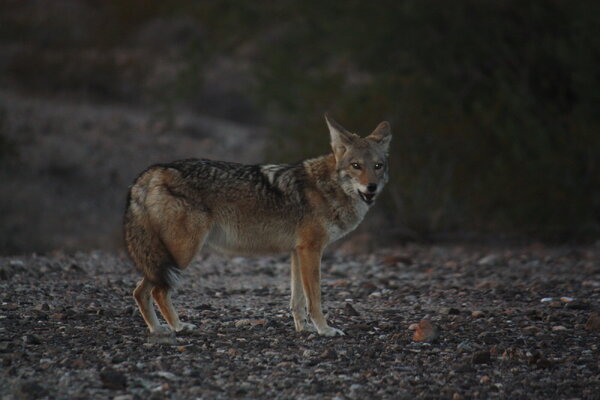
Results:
<point x="426" y="332"/>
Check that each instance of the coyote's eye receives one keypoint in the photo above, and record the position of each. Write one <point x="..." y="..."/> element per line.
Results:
<point x="378" y="166"/>
<point x="355" y="165"/>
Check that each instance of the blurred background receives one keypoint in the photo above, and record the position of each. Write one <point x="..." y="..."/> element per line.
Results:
<point x="494" y="105"/>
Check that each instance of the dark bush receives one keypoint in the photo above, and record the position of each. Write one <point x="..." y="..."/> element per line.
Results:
<point x="494" y="106"/>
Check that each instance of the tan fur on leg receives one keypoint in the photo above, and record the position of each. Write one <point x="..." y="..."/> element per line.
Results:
<point x="141" y="294"/>
<point x="309" y="255"/>
<point x="297" y="301"/>
<point x="162" y="297"/>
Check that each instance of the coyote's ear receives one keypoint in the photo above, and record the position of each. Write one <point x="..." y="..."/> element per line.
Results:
<point x="341" y="139"/>
<point x="382" y="135"/>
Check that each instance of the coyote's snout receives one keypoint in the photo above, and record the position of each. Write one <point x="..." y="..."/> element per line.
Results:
<point x="175" y="209"/>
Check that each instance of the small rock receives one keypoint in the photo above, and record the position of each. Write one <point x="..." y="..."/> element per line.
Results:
<point x="593" y="322"/>
<point x="258" y="322"/>
<point x="123" y="397"/>
<point x="79" y="363"/>
<point x="464" y="347"/>
<point x="484" y="380"/>
<point x="32" y="339"/>
<point x="537" y="359"/>
<point x="350" y="310"/>
<point x="488" y="338"/>
<point x="481" y="357"/>
<point x="466" y="367"/>
<point x="426" y="332"/>
<point x="43" y="307"/>
<point x="242" y="322"/>
<point x="449" y="311"/>
<point x="558" y="328"/>
<point x="477" y="314"/>
<point x="308" y="353"/>
<point x="397" y="259"/>
<point x="565" y="299"/>
<point x="512" y="354"/>
<point x="577" y="305"/>
<point x="30" y="390"/>
<point x="232" y="352"/>
<point x="530" y="330"/>
<point x="167" y="375"/>
<point x="491" y="259"/>
<point x="547" y="300"/>
<point x="58" y="316"/>
<point x="112" y="379"/>
<point x="328" y="354"/>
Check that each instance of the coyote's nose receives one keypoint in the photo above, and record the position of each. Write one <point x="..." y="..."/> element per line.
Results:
<point x="371" y="187"/>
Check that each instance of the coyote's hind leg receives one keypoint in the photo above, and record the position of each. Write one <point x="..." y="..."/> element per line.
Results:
<point x="162" y="297"/>
<point x="141" y="294"/>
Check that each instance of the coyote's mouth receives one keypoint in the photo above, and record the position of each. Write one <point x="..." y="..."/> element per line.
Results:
<point x="367" y="197"/>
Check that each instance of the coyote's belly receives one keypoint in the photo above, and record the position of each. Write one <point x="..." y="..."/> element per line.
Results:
<point x="254" y="239"/>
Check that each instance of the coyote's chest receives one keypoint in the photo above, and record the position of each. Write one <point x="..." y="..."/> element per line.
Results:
<point x="345" y="219"/>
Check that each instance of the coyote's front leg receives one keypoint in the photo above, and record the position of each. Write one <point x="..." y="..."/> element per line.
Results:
<point x="309" y="256"/>
<point x="297" y="300"/>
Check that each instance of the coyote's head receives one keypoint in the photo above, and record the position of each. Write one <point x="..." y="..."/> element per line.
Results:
<point x="361" y="163"/>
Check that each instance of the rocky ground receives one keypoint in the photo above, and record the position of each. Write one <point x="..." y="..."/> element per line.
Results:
<point x="489" y="323"/>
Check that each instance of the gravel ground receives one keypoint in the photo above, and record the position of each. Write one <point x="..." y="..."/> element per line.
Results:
<point x="421" y="322"/>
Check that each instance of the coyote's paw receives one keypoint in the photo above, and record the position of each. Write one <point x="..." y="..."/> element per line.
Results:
<point x="162" y="335"/>
<point x="305" y="327"/>
<point x="185" y="327"/>
<point x="330" y="331"/>
<point x="161" y="330"/>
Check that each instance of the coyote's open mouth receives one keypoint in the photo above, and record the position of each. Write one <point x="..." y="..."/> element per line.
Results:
<point x="367" y="197"/>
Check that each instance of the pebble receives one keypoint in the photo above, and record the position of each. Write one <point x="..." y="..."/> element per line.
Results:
<point x="350" y="310"/>
<point x="565" y="299"/>
<point x="558" y="328"/>
<point x="426" y="332"/>
<point x="465" y="367"/>
<point x="308" y="353"/>
<point x="477" y="314"/>
<point x="488" y="338"/>
<point x="112" y="379"/>
<point x="449" y="311"/>
<point x="328" y="354"/>
<point x="242" y="322"/>
<point x="481" y="357"/>
<point x="489" y="260"/>
<point x="30" y="390"/>
<point x="537" y="359"/>
<point x="593" y="322"/>
<point x="43" y="307"/>
<point x="32" y="339"/>
<point x="167" y="375"/>
<point x="123" y="397"/>
<point x="464" y="347"/>
<point x="484" y="379"/>
<point x="530" y="330"/>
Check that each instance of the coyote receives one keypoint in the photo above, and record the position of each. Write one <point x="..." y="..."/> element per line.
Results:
<point x="174" y="209"/>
